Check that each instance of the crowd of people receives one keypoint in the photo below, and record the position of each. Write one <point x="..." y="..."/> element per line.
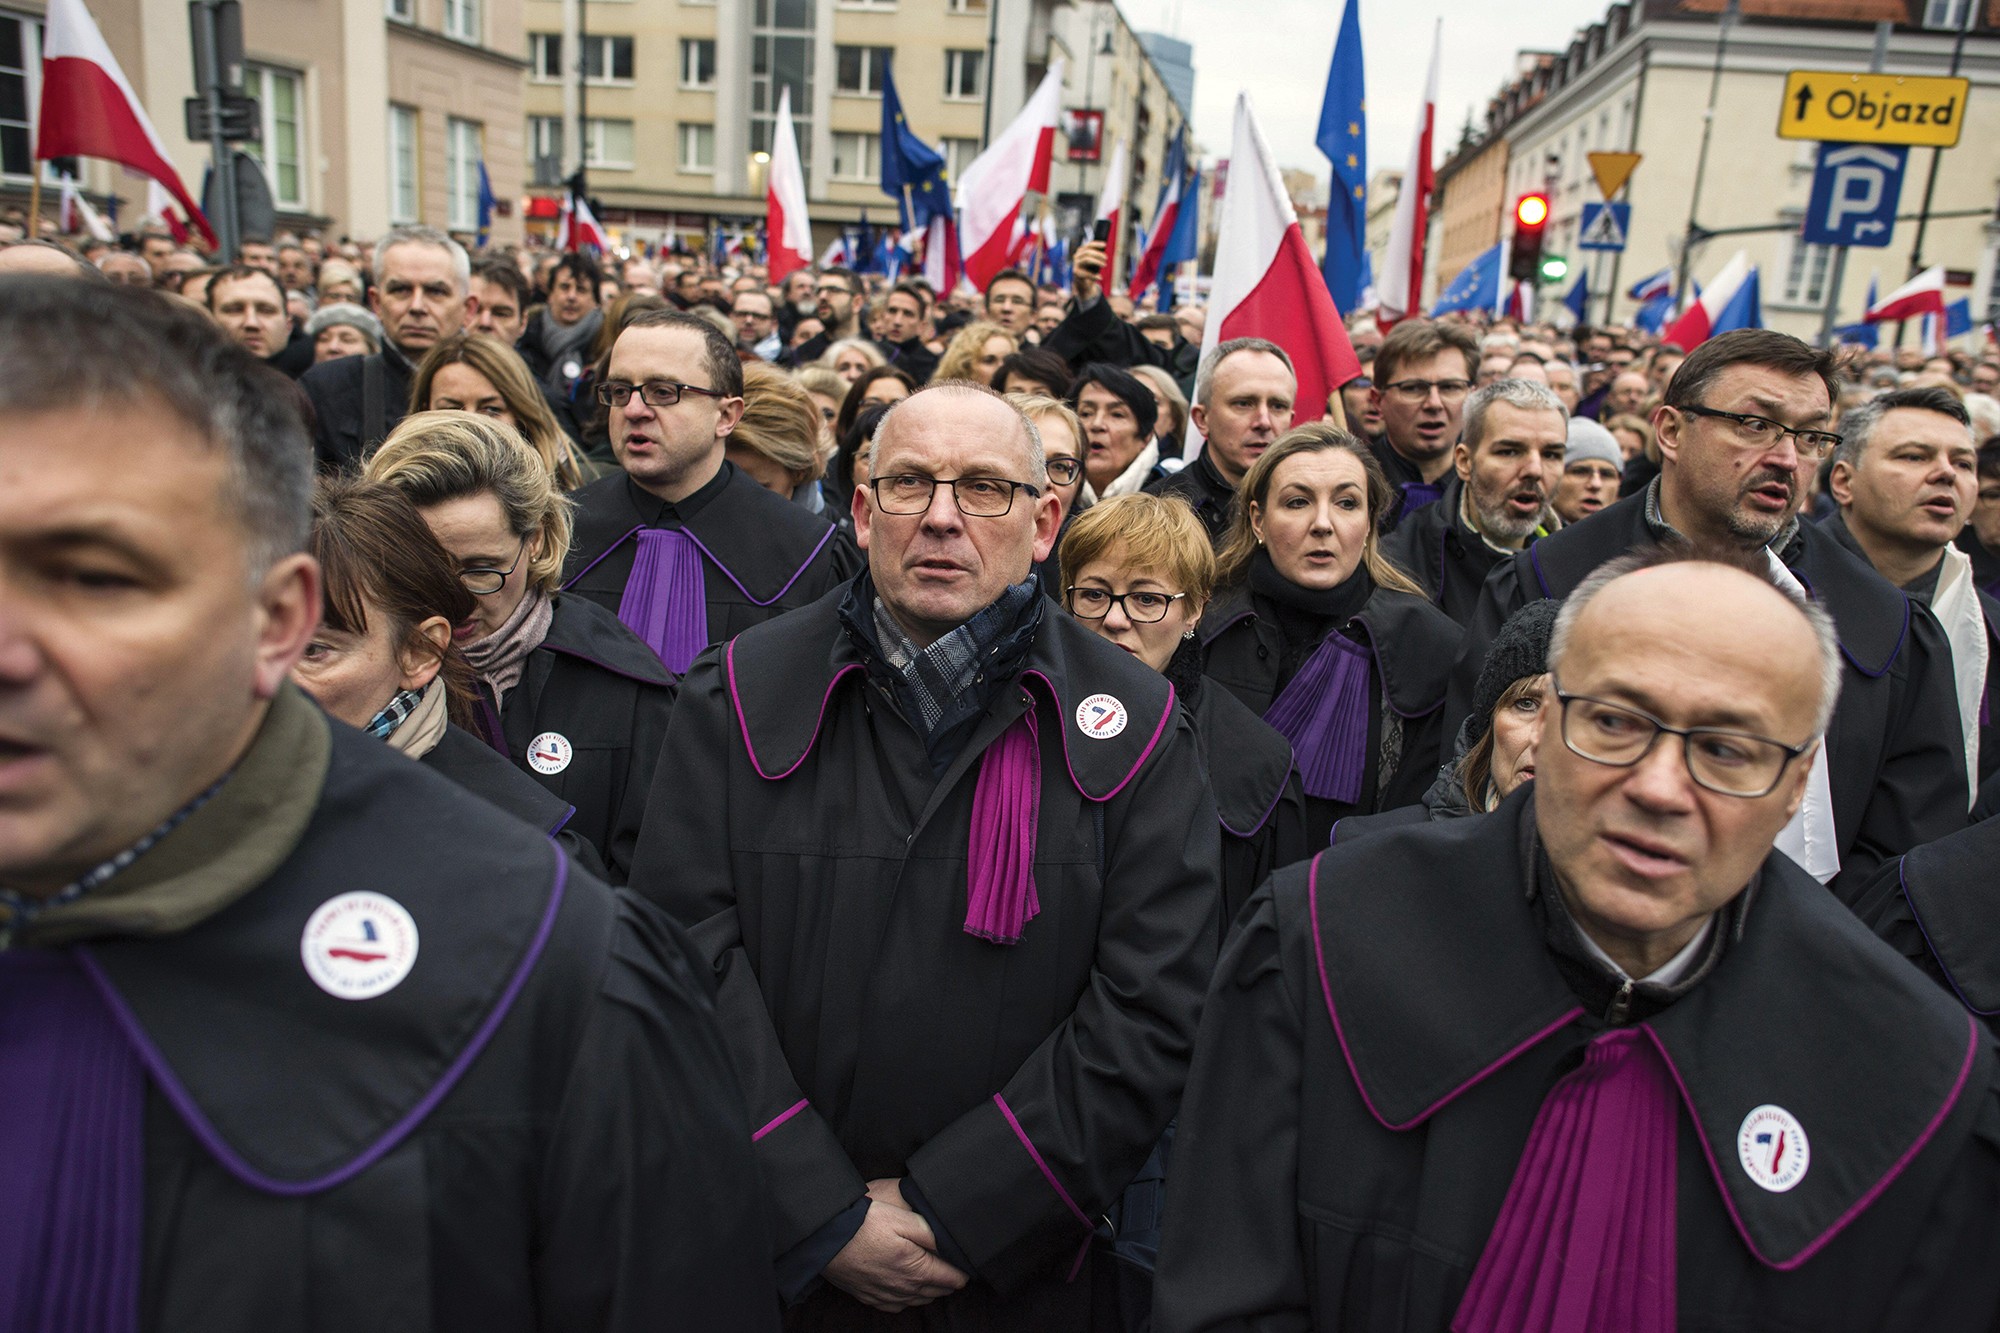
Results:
<point x="977" y="810"/>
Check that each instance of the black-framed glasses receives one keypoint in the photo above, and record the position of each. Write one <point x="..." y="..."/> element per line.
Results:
<point x="482" y="581"/>
<point x="1140" y="607"/>
<point x="1729" y="763"/>
<point x="1063" y="471"/>
<point x="1416" y="391"/>
<point x="1764" y="431"/>
<point x="653" y="393"/>
<point x="977" y="497"/>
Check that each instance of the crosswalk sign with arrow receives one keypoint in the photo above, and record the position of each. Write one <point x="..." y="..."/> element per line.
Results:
<point x="1604" y="226"/>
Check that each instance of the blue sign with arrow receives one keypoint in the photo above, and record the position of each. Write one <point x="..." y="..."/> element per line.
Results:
<point x="1855" y="190"/>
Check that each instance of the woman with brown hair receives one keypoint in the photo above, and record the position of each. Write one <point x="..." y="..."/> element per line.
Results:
<point x="384" y="659"/>
<point x="1321" y="636"/>
<point x="476" y="372"/>
<point x="777" y="441"/>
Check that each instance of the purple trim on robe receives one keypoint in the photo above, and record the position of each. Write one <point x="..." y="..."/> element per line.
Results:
<point x="233" y="1162"/>
<point x="780" y="1119"/>
<point x="666" y="600"/>
<point x="572" y="581"/>
<point x="753" y="598"/>
<point x="488" y="718"/>
<point x="743" y="722"/>
<point x="73" y="1170"/>
<point x="1000" y="896"/>
<point x="1089" y="1228"/>
<point x="1419" y="495"/>
<point x="1323" y="712"/>
<point x="1159" y="730"/>
<point x="1586" y="1235"/>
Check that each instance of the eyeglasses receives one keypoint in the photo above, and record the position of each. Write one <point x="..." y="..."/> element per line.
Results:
<point x="977" y="497"/>
<point x="1729" y="763"/>
<point x="1063" y="471"/>
<point x="653" y="393"/>
<point x="1141" y="608"/>
<point x="1762" y="431"/>
<point x="1416" y="391"/>
<point x="484" y="582"/>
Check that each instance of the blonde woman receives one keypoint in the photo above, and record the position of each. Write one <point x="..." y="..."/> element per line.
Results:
<point x="851" y="358"/>
<point x="975" y="353"/>
<point x="564" y="690"/>
<point x="777" y="441"/>
<point x="1321" y="636"/>
<point x="476" y="372"/>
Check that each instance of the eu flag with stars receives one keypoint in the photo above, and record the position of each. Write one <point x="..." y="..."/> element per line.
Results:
<point x="486" y="204"/>
<point x="908" y="161"/>
<point x="1343" y="137"/>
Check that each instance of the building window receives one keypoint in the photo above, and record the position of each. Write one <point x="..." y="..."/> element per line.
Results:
<point x="607" y="60"/>
<point x="607" y="143"/>
<point x="964" y="76"/>
<point x="545" y="63"/>
<point x="958" y="155"/>
<point x="1806" y="273"/>
<point x="857" y="157"/>
<point x="697" y="149"/>
<point x="545" y="150"/>
<point x="858" y="69"/>
<point x="1945" y="14"/>
<point x="461" y="19"/>
<point x="279" y="99"/>
<point x="403" y="11"/>
<point x="967" y="6"/>
<point x="20" y="63"/>
<point x="867" y="4"/>
<point x="781" y="57"/>
<point x="462" y="154"/>
<point x="402" y="164"/>
<point x="697" y="62"/>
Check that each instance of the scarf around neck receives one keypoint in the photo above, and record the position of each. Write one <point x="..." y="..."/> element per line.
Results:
<point x="501" y="657"/>
<point x="420" y="731"/>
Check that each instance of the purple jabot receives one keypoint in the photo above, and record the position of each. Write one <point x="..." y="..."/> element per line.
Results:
<point x="1323" y="712"/>
<point x="1420" y="494"/>
<point x="72" y="1160"/>
<point x="1000" y="859"/>
<point x="1586" y="1234"/>
<point x="666" y="599"/>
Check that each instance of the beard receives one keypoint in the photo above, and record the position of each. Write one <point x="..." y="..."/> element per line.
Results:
<point x="1758" y="529"/>
<point x="1499" y="523"/>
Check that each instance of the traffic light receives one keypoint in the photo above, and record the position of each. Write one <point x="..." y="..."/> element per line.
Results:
<point x="1555" y="268"/>
<point x="1531" y="219"/>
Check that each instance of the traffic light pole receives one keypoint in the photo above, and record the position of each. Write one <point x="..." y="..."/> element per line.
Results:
<point x="210" y="74"/>
<point x="1688" y="241"/>
<point x="1837" y="279"/>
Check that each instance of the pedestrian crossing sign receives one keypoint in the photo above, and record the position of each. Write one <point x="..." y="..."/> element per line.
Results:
<point x="1604" y="226"/>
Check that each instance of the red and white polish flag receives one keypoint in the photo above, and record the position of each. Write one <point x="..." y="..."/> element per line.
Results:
<point x="1110" y="204"/>
<point x="787" y="228"/>
<point x="1921" y="295"/>
<point x="1399" y="287"/>
<point x="993" y="188"/>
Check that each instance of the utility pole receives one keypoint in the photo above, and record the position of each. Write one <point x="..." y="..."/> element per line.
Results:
<point x="1688" y="237"/>
<point x="579" y="183"/>
<point x="218" y="69"/>
<point x="1930" y="181"/>
<point x="992" y="44"/>
<point x="1837" y="278"/>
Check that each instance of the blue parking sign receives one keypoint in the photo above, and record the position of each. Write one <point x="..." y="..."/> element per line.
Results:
<point x="1855" y="189"/>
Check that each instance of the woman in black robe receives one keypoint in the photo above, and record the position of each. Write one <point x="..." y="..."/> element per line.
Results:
<point x="1324" y="639"/>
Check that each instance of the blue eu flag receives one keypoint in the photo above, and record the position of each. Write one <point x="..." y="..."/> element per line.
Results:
<point x="486" y="203"/>
<point x="1343" y="137"/>
<point x="908" y="161"/>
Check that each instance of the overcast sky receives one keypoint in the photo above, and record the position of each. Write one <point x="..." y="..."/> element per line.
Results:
<point x="1280" y="51"/>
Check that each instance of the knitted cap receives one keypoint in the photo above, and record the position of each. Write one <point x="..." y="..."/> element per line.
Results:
<point x="1519" y="650"/>
<point x="1589" y="440"/>
<point x="343" y="312"/>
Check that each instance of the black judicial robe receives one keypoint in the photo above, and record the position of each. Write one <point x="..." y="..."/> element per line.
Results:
<point x="1388" y="1019"/>
<point x="1434" y="547"/>
<point x="1414" y="644"/>
<point x="486" y="773"/>
<point x="1935" y="905"/>
<point x="1256" y="789"/>
<point x="1205" y="490"/>
<point x="764" y="555"/>
<point x="822" y="866"/>
<point x="597" y="686"/>
<point x="538" y="1128"/>
<point x="1895" y="754"/>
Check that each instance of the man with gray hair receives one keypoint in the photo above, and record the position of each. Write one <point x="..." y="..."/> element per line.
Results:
<point x="1244" y="398"/>
<point x="1604" y="1058"/>
<point x="1506" y="464"/>
<point x="1906" y="477"/>
<point x="422" y="278"/>
<point x="956" y="866"/>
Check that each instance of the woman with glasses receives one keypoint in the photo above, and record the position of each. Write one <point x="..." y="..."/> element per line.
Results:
<point x="476" y="372"/>
<point x="1062" y="446"/>
<point x="563" y="689"/>
<point x="1322" y="637"/>
<point x="384" y="659"/>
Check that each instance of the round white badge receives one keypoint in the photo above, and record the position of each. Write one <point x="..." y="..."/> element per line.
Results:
<point x="550" y="753"/>
<point x="359" y="945"/>
<point x="1100" y="717"/>
<point x="1773" y="1149"/>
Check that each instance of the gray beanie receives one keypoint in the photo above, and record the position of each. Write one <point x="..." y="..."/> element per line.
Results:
<point x="343" y="312"/>
<point x="1588" y="440"/>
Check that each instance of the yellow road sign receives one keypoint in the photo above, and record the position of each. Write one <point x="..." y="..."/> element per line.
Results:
<point x="1872" y="108"/>
<point x="1612" y="170"/>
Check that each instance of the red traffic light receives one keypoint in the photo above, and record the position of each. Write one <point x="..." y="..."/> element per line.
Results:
<point x="1531" y="210"/>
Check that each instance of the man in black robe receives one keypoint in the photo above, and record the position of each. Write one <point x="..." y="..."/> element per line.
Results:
<point x="956" y="865"/>
<point x="1747" y="416"/>
<point x="1244" y="395"/>
<point x="1423" y="372"/>
<point x="294" y="1032"/>
<point x="1602" y="1059"/>
<point x="1506" y="467"/>
<point x="682" y="546"/>
<point x="1906" y="478"/>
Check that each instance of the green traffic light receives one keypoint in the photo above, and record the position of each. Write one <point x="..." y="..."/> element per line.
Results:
<point x="1554" y="268"/>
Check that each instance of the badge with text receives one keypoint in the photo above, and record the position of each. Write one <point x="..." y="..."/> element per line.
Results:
<point x="1773" y="1149"/>
<point x="359" y="945"/>
<point x="1100" y="717"/>
<point x="549" y="753"/>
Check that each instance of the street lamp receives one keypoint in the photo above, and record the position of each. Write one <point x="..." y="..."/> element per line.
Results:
<point x="1089" y="96"/>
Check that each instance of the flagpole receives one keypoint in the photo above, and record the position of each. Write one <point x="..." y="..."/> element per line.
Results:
<point x="35" y="203"/>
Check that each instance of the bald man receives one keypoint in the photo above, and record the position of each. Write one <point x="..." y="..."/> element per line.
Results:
<point x="1649" y="1076"/>
<point x="958" y="869"/>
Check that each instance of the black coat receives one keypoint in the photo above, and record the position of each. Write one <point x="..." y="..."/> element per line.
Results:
<point x="1935" y="906"/>
<point x="1206" y="492"/>
<point x="487" y="774"/>
<point x="1434" y="547"/>
<point x="341" y="439"/>
<point x="1895" y="754"/>
<point x="912" y="358"/>
<point x="1413" y="646"/>
<point x="537" y="1128"/>
<point x="1094" y="332"/>
<point x="1385" y="1026"/>
<point x="765" y="555"/>
<point x="594" y="685"/>
<point x="1256" y="789"/>
<point x="823" y="869"/>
